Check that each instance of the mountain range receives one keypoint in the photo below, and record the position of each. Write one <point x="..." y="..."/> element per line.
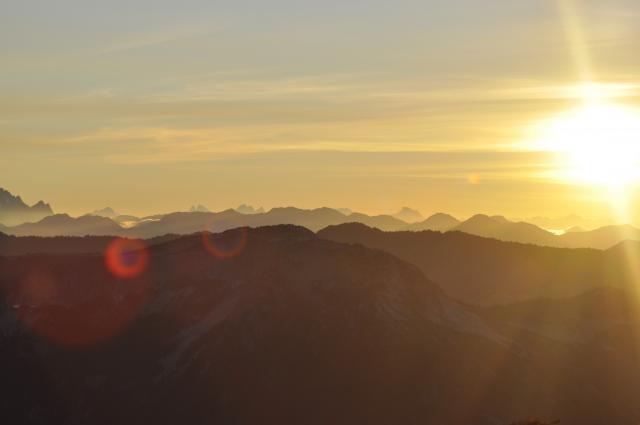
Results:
<point x="486" y="271"/>
<point x="496" y="227"/>
<point x="107" y="222"/>
<point x="191" y="222"/>
<point x="296" y="328"/>
<point x="13" y="210"/>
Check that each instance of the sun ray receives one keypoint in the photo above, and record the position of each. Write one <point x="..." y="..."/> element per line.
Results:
<point x="574" y="31"/>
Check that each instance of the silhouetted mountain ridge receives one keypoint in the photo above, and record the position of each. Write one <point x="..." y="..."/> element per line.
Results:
<point x="13" y="210"/>
<point x="486" y="271"/>
<point x="438" y="222"/>
<point x="293" y="329"/>
<point x="497" y="227"/>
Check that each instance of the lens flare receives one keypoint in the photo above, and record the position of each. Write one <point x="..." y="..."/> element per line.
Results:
<point x="226" y="245"/>
<point x="74" y="305"/>
<point x="126" y="258"/>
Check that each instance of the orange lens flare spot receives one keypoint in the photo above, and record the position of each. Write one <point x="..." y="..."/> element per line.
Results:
<point x="473" y="178"/>
<point x="126" y="258"/>
<point x="225" y="245"/>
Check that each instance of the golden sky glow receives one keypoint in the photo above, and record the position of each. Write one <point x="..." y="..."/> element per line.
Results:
<point x="596" y="144"/>
<point x="429" y="104"/>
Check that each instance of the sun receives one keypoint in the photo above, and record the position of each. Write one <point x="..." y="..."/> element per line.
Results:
<point x="597" y="143"/>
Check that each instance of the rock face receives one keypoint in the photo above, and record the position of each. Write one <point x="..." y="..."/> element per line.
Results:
<point x="13" y="210"/>
<point x="290" y="329"/>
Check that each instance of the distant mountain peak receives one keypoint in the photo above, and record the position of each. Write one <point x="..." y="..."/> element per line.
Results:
<point x="248" y="209"/>
<point x="439" y="222"/>
<point x="106" y="212"/>
<point x="13" y="210"/>
<point x="409" y="215"/>
<point x="8" y="199"/>
<point x="199" y="208"/>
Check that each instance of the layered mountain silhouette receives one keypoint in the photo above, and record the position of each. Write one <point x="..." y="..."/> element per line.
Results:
<point x="191" y="222"/>
<point x="564" y="223"/>
<point x="65" y="225"/>
<point x="499" y="227"/>
<point x="294" y="329"/>
<point x="488" y="271"/>
<point x="13" y="210"/>
<point x="198" y="219"/>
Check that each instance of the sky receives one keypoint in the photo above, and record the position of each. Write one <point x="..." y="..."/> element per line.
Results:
<point x="154" y="106"/>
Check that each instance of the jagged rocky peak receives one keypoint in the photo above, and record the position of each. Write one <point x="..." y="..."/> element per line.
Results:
<point x="13" y="210"/>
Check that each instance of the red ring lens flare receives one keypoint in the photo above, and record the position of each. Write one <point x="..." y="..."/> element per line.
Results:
<point x="126" y="258"/>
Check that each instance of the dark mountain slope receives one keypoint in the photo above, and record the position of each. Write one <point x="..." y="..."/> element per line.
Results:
<point x="586" y="318"/>
<point x="276" y="334"/>
<point x="293" y="329"/>
<point x="14" y="245"/>
<point x="487" y="271"/>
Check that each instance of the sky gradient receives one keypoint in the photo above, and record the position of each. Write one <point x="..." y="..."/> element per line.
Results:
<point x="153" y="106"/>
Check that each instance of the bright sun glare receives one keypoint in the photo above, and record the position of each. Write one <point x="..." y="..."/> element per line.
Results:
<point x="597" y="143"/>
